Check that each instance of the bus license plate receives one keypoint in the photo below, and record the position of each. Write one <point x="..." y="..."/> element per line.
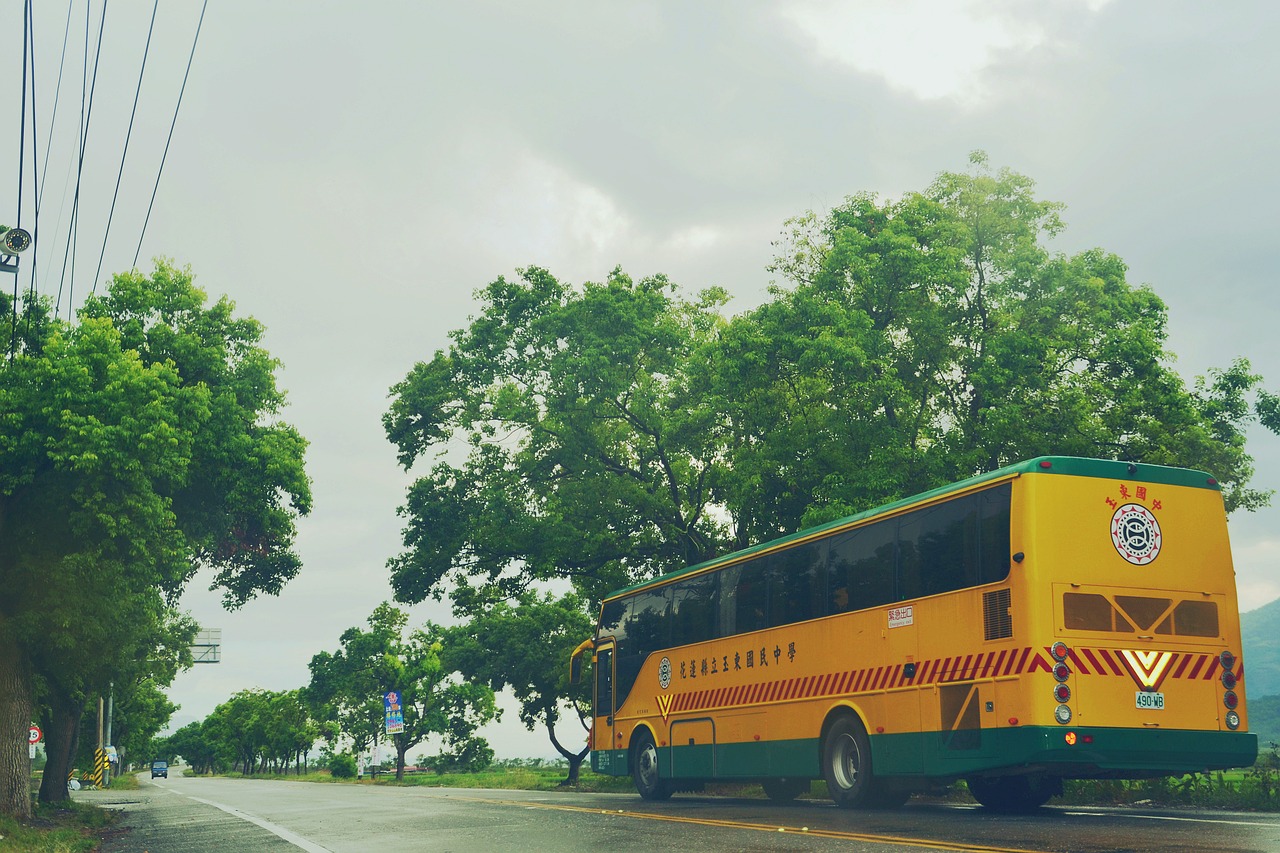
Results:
<point x="1150" y="701"/>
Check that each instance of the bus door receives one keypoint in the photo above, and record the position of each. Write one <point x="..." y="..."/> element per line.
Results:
<point x="604" y="755"/>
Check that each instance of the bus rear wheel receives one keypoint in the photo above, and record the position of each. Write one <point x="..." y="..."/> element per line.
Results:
<point x="644" y="770"/>
<point x="1013" y="794"/>
<point x="846" y="764"/>
<point x="784" y="790"/>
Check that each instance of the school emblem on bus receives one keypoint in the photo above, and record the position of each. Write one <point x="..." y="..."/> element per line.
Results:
<point x="664" y="673"/>
<point x="1136" y="534"/>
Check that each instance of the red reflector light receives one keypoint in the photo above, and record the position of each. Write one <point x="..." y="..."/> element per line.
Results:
<point x="1062" y="693"/>
<point x="1046" y="464"/>
<point x="1212" y="481"/>
<point x="1013" y="721"/>
<point x="1061" y="671"/>
<point x="1230" y="699"/>
<point x="1088" y="738"/>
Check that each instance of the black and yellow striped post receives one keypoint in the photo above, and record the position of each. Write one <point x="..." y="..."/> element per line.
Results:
<point x="99" y="765"/>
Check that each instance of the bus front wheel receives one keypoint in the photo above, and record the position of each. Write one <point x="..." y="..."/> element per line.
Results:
<point x="1013" y="794"/>
<point x="846" y="763"/>
<point x="644" y="770"/>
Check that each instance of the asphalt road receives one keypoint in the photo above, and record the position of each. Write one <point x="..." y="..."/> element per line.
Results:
<point x="179" y="814"/>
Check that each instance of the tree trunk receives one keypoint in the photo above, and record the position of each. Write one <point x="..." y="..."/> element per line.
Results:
<point x="575" y="759"/>
<point x="400" y="751"/>
<point x="16" y="707"/>
<point x="60" y="736"/>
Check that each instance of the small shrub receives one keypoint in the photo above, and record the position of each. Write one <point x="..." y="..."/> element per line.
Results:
<point x="342" y="766"/>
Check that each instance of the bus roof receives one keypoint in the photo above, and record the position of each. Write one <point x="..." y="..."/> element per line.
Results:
<point x="1063" y="465"/>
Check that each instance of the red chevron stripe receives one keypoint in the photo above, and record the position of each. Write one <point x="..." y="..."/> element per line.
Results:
<point x="1195" y="670"/>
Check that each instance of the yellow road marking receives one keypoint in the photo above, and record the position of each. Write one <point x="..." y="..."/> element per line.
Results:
<point x="931" y="843"/>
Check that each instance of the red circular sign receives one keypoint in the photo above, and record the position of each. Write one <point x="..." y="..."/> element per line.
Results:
<point x="34" y="735"/>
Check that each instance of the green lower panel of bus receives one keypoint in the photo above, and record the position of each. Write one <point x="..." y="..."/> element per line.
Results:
<point x="1096" y="752"/>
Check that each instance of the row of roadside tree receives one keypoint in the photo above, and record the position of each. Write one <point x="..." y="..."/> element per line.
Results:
<point x="444" y="679"/>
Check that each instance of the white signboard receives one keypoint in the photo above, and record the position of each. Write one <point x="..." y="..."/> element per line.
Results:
<point x="900" y="617"/>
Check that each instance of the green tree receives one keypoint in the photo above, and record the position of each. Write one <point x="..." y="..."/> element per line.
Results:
<point x="959" y="344"/>
<point x="348" y="686"/>
<point x="137" y="445"/>
<point x="525" y="645"/>
<point x="616" y="431"/>
<point x="591" y="456"/>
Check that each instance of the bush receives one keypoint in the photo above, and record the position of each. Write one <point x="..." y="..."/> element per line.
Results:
<point x="470" y="756"/>
<point x="342" y="766"/>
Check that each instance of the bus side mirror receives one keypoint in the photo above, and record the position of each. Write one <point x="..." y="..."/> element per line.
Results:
<point x="575" y="660"/>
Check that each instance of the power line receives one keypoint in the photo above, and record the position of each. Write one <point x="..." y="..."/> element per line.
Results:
<point x="164" y="156"/>
<point x="35" y="162"/>
<point x="22" y="151"/>
<point x="128" y="134"/>
<point x="87" y="115"/>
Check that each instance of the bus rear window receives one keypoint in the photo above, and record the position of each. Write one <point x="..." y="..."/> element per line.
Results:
<point x="1082" y="611"/>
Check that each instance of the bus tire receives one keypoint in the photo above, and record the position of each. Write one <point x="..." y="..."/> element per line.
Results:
<point x="784" y="790"/>
<point x="644" y="769"/>
<point x="1012" y="794"/>
<point x="846" y="763"/>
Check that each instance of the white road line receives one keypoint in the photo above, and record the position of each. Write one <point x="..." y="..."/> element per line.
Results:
<point x="1273" y="824"/>
<point x="295" y="840"/>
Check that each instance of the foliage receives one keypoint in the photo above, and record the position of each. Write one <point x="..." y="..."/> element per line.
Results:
<point x="137" y="445"/>
<point x="342" y="765"/>
<point x="470" y="755"/>
<point x="348" y="686"/>
<point x="591" y="457"/>
<point x="617" y="431"/>
<point x="525" y="645"/>
<point x="258" y="731"/>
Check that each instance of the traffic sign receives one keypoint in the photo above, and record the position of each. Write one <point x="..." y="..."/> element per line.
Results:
<point x="35" y="735"/>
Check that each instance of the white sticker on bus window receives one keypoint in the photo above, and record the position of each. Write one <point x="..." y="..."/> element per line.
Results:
<point x="900" y="617"/>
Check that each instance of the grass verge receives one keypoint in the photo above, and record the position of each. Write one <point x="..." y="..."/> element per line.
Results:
<point x="62" y="828"/>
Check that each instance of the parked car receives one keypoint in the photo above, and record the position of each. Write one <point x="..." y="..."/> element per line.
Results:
<point x="159" y="768"/>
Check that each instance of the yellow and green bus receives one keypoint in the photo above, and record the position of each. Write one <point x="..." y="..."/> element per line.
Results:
<point x="1060" y="618"/>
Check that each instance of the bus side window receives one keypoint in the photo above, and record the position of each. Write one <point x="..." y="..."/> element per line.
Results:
<point x="752" y="596"/>
<point x="797" y="585"/>
<point x="860" y="567"/>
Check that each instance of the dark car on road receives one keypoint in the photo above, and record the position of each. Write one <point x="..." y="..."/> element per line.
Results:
<point x="159" y="768"/>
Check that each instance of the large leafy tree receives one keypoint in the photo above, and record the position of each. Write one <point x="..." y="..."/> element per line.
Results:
<point x="606" y="433"/>
<point x="591" y="457"/>
<point x="525" y="645"/>
<point x="959" y="343"/>
<point x="137" y="445"/>
<point x="348" y="686"/>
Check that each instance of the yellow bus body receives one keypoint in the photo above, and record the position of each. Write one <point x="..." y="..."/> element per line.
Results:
<point x="1122" y="571"/>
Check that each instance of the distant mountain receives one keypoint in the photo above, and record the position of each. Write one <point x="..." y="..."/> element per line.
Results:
<point x="1264" y="721"/>
<point x="1260" y="629"/>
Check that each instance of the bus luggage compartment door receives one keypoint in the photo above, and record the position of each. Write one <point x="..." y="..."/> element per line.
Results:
<point x="693" y="749"/>
<point x="962" y="708"/>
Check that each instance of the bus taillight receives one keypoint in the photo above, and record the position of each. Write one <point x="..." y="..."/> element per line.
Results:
<point x="1059" y="651"/>
<point x="1230" y="699"/>
<point x="1062" y="693"/>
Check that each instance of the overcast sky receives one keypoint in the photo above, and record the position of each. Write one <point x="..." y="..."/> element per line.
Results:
<point x="350" y="173"/>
